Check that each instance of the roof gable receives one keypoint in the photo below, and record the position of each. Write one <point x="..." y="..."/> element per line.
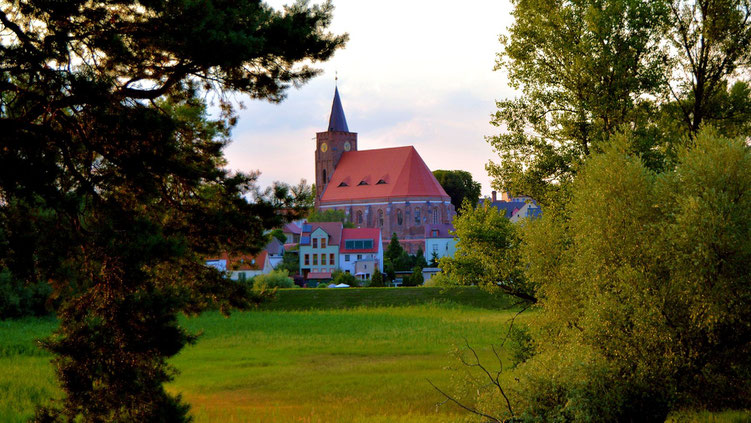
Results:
<point x="349" y="234"/>
<point x="401" y="169"/>
<point x="332" y="229"/>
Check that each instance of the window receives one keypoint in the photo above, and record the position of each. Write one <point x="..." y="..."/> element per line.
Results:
<point x="346" y="271"/>
<point x="323" y="242"/>
<point x="315" y="242"/>
<point x="359" y="216"/>
<point x="399" y="217"/>
<point x="363" y="182"/>
<point x="380" y="182"/>
<point x="331" y="259"/>
<point x="315" y="259"/>
<point x="343" y="184"/>
<point x="323" y="259"/>
<point x="241" y="276"/>
<point x="359" y="256"/>
<point x="434" y="233"/>
<point x="358" y="244"/>
<point x="324" y="176"/>
<point x="307" y="259"/>
<point x="380" y="217"/>
<point x="346" y="257"/>
<point x="435" y="248"/>
<point x="435" y="215"/>
<point x="417" y="215"/>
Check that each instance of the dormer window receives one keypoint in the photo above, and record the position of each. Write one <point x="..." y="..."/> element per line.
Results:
<point x="363" y="182"/>
<point x="343" y="184"/>
<point x="381" y="182"/>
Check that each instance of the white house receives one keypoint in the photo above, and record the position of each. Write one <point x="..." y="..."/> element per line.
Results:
<point x="361" y="252"/>
<point x="439" y="241"/>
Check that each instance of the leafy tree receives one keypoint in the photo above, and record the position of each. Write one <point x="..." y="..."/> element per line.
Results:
<point x="106" y="103"/>
<point x="645" y="296"/>
<point x="377" y="279"/>
<point x="290" y="262"/>
<point x="459" y="185"/>
<point x="660" y="68"/>
<point x="330" y="216"/>
<point x="487" y="252"/>
<point x="415" y="278"/>
<point x="279" y="234"/>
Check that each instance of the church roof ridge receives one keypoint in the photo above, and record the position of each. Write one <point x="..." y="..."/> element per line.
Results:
<point x="337" y="121"/>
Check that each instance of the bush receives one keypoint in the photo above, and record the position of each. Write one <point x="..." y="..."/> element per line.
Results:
<point x="343" y="277"/>
<point x="377" y="280"/>
<point x="322" y="285"/>
<point x="441" y="280"/>
<point x="274" y="279"/>
<point x="415" y="279"/>
<point x="18" y="299"/>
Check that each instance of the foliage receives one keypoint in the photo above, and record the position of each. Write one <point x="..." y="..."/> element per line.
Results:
<point x="279" y="234"/>
<point x="487" y="252"/>
<point x="343" y="277"/>
<point x="128" y="190"/>
<point x="396" y="259"/>
<point x="293" y="200"/>
<point x="459" y="185"/>
<point x="330" y="216"/>
<point x="18" y="299"/>
<point x="278" y="278"/>
<point x="290" y="262"/>
<point x="442" y="280"/>
<point x="661" y="68"/>
<point x="322" y="285"/>
<point x="434" y="259"/>
<point x="644" y="287"/>
<point x="377" y="279"/>
<point x="415" y="278"/>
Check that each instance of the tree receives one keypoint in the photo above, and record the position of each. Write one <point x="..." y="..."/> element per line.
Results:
<point x="279" y="234"/>
<point x="415" y="278"/>
<point x="644" y="291"/>
<point x="459" y="185"/>
<point x="377" y="279"/>
<point x="394" y="250"/>
<point x="419" y="259"/>
<point x="293" y="201"/>
<point x="487" y="252"/>
<point x="128" y="188"/>
<point x="339" y="277"/>
<point x="330" y="216"/>
<point x="659" y="68"/>
<point x="434" y="259"/>
<point x="290" y="262"/>
<point x="278" y="278"/>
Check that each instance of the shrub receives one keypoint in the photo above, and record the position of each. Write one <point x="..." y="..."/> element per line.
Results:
<point x="415" y="279"/>
<point x="442" y="280"/>
<point x="322" y="285"/>
<point x="18" y="299"/>
<point x="343" y="277"/>
<point x="274" y="279"/>
<point x="377" y="280"/>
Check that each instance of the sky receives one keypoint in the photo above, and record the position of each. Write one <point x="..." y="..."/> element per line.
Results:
<point x="414" y="72"/>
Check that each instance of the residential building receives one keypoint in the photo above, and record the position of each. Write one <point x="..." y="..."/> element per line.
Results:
<point x="439" y="241"/>
<point x="361" y="252"/>
<point x="242" y="267"/>
<point x="514" y="208"/>
<point x="319" y="249"/>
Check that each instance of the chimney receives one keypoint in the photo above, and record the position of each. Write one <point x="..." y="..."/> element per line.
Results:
<point x="493" y="195"/>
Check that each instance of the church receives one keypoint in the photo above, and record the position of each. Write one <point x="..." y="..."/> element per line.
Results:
<point x="391" y="189"/>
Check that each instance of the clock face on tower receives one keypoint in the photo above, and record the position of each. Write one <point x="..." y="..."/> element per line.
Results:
<point x="324" y="147"/>
<point x="347" y="146"/>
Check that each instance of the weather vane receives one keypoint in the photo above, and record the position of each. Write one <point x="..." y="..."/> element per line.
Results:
<point x="336" y="78"/>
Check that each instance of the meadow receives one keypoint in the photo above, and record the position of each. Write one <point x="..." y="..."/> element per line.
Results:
<point x="315" y="355"/>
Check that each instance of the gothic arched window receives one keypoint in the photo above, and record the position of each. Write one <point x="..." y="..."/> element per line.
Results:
<point x="324" y="176"/>
<point x="417" y="215"/>
<point x="380" y="217"/>
<point x="399" y="218"/>
<point x="435" y="215"/>
<point x="359" y="216"/>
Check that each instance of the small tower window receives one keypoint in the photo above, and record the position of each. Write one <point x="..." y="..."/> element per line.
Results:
<point x="324" y="176"/>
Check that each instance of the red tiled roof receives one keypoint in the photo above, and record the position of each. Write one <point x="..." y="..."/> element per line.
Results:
<point x="291" y="228"/>
<point x="401" y="168"/>
<point x="360" y="233"/>
<point x="319" y="275"/>
<point x="243" y="261"/>
<point x="334" y="229"/>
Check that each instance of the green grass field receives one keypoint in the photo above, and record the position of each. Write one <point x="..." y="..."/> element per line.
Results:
<point x="315" y="355"/>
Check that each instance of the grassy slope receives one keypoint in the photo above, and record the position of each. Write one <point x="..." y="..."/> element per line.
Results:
<point x="315" y="355"/>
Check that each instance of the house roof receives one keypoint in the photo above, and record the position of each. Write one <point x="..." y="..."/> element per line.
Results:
<point x="319" y="275"/>
<point x="509" y="208"/>
<point x="337" y="121"/>
<point x="275" y="247"/>
<point x="373" y="234"/>
<point x="291" y="228"/>
<point x="243" y="261"/>
<point x="442" y="228"/>
<point x="382" y="173"/>
<point x="333" y="229"/>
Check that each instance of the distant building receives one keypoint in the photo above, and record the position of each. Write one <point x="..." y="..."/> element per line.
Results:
<point x="292" y="231"/>
<point x="242" y="267"/>
<point x="361" y="252"/>
<point x="319" y="249"/>
<point x="514" y="208"/>
<point x="439" y="241"/>
<point x="391" y="189"/>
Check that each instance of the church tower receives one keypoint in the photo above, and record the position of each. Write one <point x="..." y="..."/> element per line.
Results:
<point x="330" y="146"/>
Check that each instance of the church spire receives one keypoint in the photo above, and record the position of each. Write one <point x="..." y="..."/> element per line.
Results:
<point x="337" y="121"/>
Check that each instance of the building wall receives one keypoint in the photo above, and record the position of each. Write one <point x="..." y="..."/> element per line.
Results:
<point x="414" y="215"/>
<point x="442" y="246"/>
<point x="315" y="255"/>
<point x="326" y="161"/>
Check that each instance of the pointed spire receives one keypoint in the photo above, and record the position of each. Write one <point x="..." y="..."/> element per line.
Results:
<point x="337" y="121"/>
